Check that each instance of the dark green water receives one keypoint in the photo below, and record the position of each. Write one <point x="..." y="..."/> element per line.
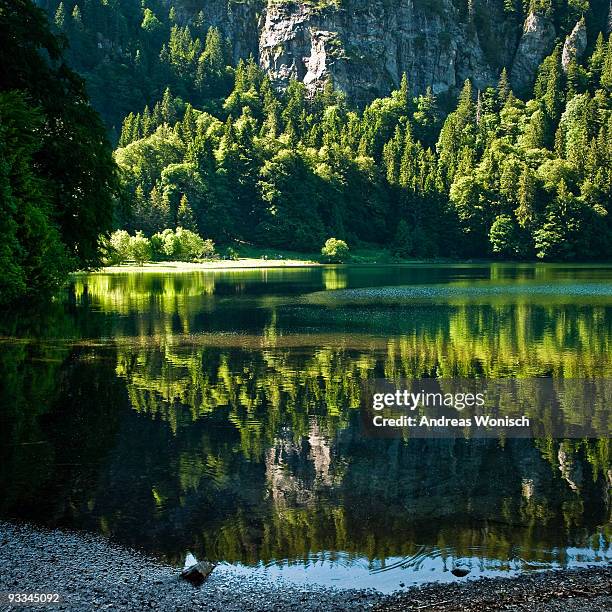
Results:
<point x="218" y="412"/>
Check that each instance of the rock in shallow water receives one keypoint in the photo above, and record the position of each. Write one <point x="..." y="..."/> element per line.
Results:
<point x="460" y="572"/>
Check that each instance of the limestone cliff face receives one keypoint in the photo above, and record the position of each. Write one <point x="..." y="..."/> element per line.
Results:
<point x="536" y="43"/>
<point x="366" y="45"/>
<point x="575" y="44"/>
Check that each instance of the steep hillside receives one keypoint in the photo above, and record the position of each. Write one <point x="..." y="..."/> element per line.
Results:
<point x="363" y="45"/>
<point x="366" y="45"/>
<point x="432" y="127"/>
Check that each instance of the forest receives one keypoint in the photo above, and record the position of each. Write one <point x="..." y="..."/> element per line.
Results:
<point x="215" y="148"/>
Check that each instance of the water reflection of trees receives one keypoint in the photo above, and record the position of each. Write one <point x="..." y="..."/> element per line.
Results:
<point x="248" y="444"/>
<point x="294" y="410"/>
<point x="276" y="376"/>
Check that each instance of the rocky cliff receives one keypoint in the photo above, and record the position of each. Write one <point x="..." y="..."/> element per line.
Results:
<point x="366" y="45"/>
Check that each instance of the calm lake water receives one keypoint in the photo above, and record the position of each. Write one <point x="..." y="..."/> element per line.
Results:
<point x="218" y="412"/>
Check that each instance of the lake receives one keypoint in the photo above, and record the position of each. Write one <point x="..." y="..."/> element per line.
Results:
<point x="218" y="412"/>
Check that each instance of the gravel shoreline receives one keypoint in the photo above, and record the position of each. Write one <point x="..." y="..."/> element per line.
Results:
<point x="91" y="573"/>
<point x="585" y="590"/>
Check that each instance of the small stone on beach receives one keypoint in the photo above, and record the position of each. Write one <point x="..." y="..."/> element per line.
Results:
<point x="196" y="571"/>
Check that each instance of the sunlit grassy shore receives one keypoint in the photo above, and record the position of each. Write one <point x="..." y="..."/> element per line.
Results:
<point x="253" y="257"/>
<point x="185" y="266"/>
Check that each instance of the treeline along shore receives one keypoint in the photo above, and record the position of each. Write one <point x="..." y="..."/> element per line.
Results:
<point x="213" y="146"/>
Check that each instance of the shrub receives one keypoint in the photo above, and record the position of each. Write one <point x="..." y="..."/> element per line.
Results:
<point x="231" y="254"/>
<point x="192" y="246"/>
<point x="184" y="245"/>
<point x="180" y="244"/>
<point x="504" y="237"/>
<point x="119" y="247"/>
<point x="163" y="244"/>
<point x="335" y="251"/>
<point x="140" y="248"/>
<point x="157" y="245"/>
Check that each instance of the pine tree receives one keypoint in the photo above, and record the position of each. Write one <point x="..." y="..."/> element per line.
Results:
<point x="77" y="19"/>
<point x="503" y="87"/>
<point x="136" y="133"/>
<point x="188" y="125"/>
<point x="210" y="75"/>
<point x="457" y="135"/>
<point x="60" y="17"/>
<point x="157" y="218"/>
<point x="466" y="111"/>
<point x="549" y="85"/>
<point x="140" y="210"/>
<point x="147" y="126"/>
<point x="392" y="151"/>
<point x="184" y="216"/>
<point x="404" y="94"/>
<point x="271" y="110"/>
<point x="126" y="131"/>
<point x="426" y="118"/>
<point x="557" y="236"/>
<point x="606" y="70"/>
<point x="167" y="107"/>
<point x="409" y="162"/>
<point x="535" y="131"/>
<point x="295" y="107"/>
<point x="596" y="61"/>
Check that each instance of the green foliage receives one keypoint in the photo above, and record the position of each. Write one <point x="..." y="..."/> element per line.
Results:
<point x="142" y="49"/>
<point x="504" y="237"/>
<point x="183" y="245"/>
<point x="140" y="248"/>
<point x="32" y="256"/>
<point x="219" y="151"/>
<point x="119" y="247"/>
<point x="282" y="169"/>
<point x="184" y="215"/>
<point x="335" y="251"/>
<point x="122" y="248"/>
<point x="150" y="23"/>
<point x="534" y="179"/>
<point x="178" y="245"/>
<point x="57" y="176"/>
<point x="403" y="243"/>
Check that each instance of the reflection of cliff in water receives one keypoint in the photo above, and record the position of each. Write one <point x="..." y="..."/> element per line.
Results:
<point x="290" y="486"/>
<point x="222" y="415"/>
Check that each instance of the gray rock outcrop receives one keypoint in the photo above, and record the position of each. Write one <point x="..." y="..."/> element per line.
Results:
<point x="575" y="44"/>
<point x="365" y="46"/>
<point x="536" y="43"/>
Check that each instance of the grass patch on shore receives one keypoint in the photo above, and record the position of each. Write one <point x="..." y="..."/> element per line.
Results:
<point x="366" y="254"/>
<point x="249" y="256"/>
